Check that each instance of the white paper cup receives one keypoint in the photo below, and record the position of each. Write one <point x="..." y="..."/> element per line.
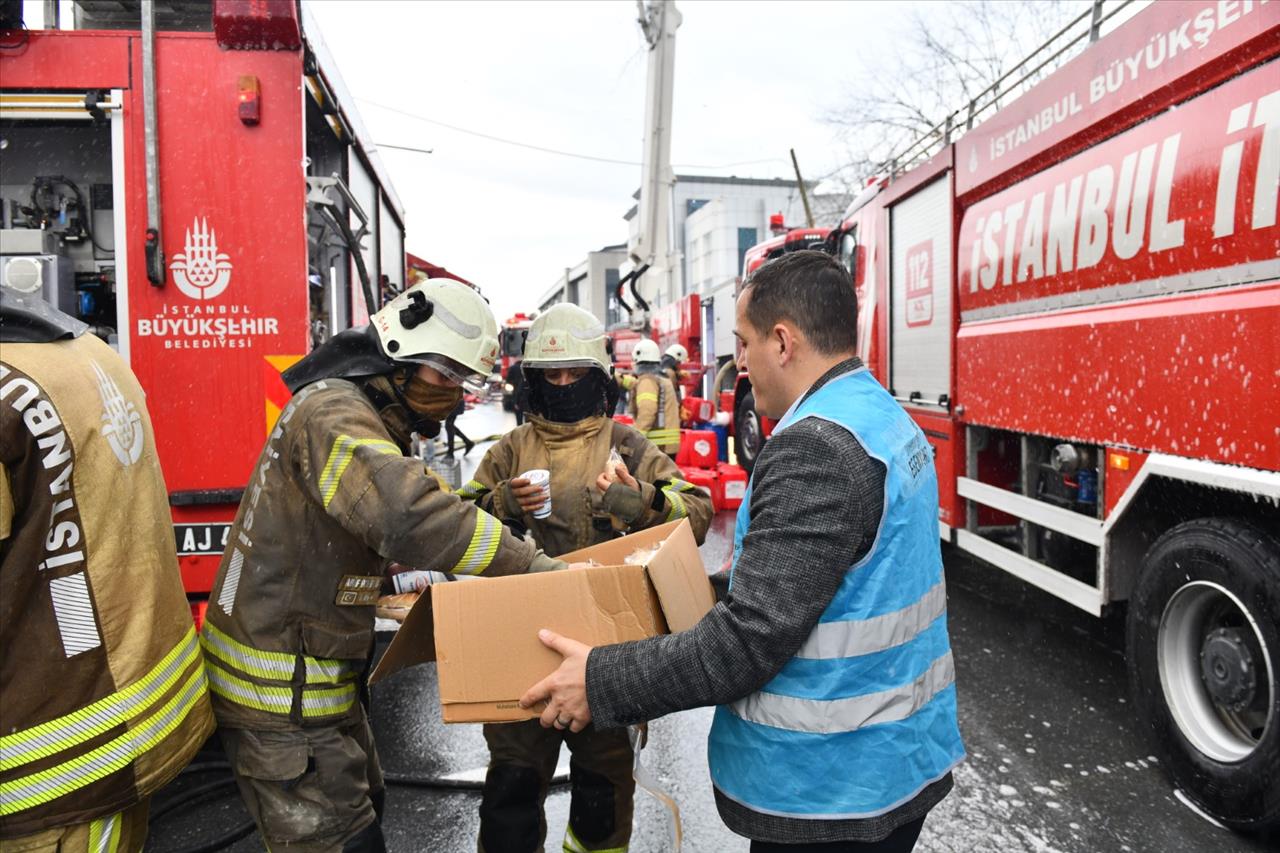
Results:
<point x="540" y="477"/>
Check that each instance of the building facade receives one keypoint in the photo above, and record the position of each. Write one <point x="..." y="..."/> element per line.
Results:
<point x="591" y="284"/>
<point x="738" y="218"/>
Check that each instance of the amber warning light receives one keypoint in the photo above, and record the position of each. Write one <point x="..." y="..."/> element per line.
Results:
<point x="250" y="101"/>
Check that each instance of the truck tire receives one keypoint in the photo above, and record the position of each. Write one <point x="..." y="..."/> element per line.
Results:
<point x="748" y="432"/>
<point x="1204" y="656"/>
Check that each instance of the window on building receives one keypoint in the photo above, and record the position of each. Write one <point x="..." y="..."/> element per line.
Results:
<point x="746" y="239"/>
<point x="613" y="311"/>
<point x="693" y="204"/>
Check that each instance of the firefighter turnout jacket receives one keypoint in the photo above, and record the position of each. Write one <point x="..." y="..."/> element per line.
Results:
<point x="576" y="454"/>
<point x="103" y="696"/>
<point x="333" y="498"/>
<point x="656" y="408"/>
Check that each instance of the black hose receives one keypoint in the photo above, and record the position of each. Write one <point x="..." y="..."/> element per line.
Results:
<point x="204" y="767"/>
<point x="187" y="797"/>
<point x="224" y="841"/>
<point x="438" y="783"/>
<point x="635" y="279"/>
<point x="190" y="796"/>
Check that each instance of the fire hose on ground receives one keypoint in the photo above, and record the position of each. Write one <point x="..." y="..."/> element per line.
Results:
<point x="200" y="793"/>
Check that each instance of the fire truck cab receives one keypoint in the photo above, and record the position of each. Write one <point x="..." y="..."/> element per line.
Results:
<point x="511" y="351"/>
<point x="748" y="427"/>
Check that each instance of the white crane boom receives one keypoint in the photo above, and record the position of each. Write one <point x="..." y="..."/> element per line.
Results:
<point x="651" y="246"/>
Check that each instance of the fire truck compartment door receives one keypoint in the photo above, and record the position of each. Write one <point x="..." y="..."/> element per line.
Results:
<point x="920" y="288"/>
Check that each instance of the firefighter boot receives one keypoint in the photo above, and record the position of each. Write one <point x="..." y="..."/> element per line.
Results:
<point x="522" y="760"/>
<point x="603" y="790"/>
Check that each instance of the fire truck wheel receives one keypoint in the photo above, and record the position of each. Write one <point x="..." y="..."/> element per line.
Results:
<point x="748" y="432"/>
<point x="1204" y="656"/>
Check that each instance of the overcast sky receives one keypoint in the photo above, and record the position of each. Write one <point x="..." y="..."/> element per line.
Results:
<point x="752" y="80"/>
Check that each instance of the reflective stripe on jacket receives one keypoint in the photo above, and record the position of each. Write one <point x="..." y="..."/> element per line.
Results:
<point x="656" y="409"/>
<point x="103" y="697"/>
<point x="863" y="717"/>
<point x="333" y="498"/>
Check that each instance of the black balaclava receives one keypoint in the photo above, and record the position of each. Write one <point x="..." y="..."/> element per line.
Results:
<point x="592" y="395"/>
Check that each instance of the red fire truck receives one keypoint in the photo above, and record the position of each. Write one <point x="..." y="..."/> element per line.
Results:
<point x="510" y="349"/>
<point x="194" y="186"/>
<point x="1078" y="300"/>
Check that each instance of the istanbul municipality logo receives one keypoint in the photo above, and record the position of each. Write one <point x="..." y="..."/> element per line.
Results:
<point x="121" y="422"/>
<point x="200" y="270"/>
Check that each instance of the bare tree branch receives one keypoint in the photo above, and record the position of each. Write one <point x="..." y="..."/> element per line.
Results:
<point x="949" y="55"/>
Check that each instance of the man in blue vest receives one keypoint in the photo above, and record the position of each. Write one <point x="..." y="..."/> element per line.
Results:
<point x="829" y="660"/>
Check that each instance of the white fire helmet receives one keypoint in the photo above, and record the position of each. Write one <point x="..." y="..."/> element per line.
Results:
<point x="678" y="353"/>
<point x="442" y="323"/>
<point x="645" y="352"/>
<point x="566" y="336"/>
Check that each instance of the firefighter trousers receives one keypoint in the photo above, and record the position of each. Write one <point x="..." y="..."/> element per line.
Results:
<point x="310" y="790"/>
<point x="522" y="761"/>
<point x="122" y="832"/>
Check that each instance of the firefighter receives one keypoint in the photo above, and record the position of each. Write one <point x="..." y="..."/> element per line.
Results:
<point x="333" y="501"/>
<point x="571" y="393"/>
<point x="675" y="356"/>
<point x="103" y="698"/>
<point x="654" y="403"/>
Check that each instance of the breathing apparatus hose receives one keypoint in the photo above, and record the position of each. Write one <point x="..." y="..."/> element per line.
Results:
<point x="722" y="373"/>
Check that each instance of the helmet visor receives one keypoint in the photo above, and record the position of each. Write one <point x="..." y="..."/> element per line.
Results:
<point x="463" y="375"/>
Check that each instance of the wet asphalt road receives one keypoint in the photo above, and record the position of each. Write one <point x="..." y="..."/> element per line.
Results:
<point x="1056" y="761"/>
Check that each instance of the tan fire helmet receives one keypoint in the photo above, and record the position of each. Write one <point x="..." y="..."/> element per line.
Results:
<point x="645" y="352"/>
<point x="442" y="323"/>
<point x="678" y="353"/>
<point x="567" y="336"/>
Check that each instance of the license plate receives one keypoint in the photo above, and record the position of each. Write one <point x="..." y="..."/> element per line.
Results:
<point x="201" y="539"/>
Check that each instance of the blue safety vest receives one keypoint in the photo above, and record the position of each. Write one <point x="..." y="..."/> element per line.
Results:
<point x="863" y="717"/>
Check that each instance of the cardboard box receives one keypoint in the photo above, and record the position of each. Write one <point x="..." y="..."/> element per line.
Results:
<point x="483" y="634"/>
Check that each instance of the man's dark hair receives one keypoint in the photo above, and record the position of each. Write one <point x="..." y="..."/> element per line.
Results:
<point x="811" y="289"/>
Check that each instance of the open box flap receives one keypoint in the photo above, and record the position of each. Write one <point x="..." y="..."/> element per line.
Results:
<point x="681" y="581"/>
<point x="413" y="644"/>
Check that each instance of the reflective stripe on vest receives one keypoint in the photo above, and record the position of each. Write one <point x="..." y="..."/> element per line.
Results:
<point x="340" y="455"/>
<point x="873" y="685"/>
<point x="485" y="539"/>
<point x="107" y="713"/>
<point x="663" y="437"/>
<point x="832" y="716"/>
<point x="104" y="834"/>
<point x="28" y="791"/>
<point x="275" y="699"/>
<point x="848" y="639"/>
<point x="274" y="666"/>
